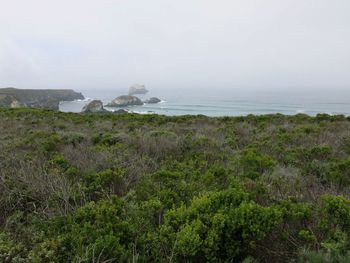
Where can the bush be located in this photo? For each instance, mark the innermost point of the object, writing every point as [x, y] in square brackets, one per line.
[105, 183]
[255, 164]
[11, 251]
[95, 230]
[218, 226]
[340, 173]
[190, 188]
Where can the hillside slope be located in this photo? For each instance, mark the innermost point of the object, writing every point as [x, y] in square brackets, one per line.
[148, 188]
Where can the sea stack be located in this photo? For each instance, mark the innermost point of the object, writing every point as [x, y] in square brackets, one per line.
[123, 101]
[153, 100]
[94, 106]
[137, 89]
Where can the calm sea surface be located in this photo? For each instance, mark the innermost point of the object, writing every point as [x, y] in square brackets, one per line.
[227, 102]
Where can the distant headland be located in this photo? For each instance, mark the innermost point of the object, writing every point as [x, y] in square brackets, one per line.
[37, 98]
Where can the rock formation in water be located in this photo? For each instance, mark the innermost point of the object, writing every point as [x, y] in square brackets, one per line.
[137, 89]
[123, 101]
[36, 98]
[94, 106]
[153, 100]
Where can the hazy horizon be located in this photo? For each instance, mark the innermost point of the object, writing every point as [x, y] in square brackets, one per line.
[240, 45]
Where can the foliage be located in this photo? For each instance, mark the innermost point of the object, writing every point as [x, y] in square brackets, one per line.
[218, 226]
[149, 188]
[96, 230]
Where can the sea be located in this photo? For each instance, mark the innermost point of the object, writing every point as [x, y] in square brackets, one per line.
[226, 102]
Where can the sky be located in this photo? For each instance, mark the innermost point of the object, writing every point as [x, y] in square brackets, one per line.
[235, 44]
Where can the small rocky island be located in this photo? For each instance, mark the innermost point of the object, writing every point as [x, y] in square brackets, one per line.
[124, 101]
[152, 100]
[121, 101]
[137, 89]
[37, 98]
[94, 106]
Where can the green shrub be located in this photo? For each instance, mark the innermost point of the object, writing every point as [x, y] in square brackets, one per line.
[190, 188]
[11, 251]
[73, 138]
[340, 172]
[336, 211]
[104, 183]
[217, 226]
[97, 230]
[255, 164]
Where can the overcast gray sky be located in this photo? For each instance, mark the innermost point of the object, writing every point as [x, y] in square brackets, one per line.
[175, 43]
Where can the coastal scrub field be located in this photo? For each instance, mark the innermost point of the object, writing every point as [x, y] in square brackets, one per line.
[150, 188]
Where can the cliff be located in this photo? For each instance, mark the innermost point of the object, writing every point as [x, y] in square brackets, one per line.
[36, 98]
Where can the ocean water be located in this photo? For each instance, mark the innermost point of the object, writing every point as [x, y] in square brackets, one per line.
[216, 102]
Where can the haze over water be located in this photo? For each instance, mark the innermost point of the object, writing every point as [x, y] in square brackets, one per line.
[228, 102]
[217, 49]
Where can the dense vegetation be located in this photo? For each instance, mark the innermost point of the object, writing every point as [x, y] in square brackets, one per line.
[147, 188]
